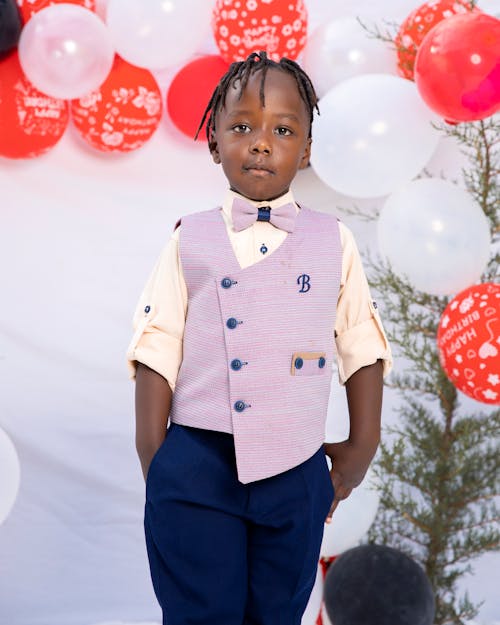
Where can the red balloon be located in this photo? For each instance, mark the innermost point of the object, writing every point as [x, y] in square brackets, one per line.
[31, 122]
[123, 113]
[190, 92]
[29, 7]
[469, 342]
[416, 26]
[241, 27]
[457, 70]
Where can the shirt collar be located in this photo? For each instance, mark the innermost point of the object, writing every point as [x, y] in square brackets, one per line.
[279, 201]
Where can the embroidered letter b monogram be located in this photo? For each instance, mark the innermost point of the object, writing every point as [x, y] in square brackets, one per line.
[304, 281]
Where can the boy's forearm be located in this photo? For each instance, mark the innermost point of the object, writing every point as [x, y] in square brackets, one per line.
[364, 399]
[351, 458]
[153, 398]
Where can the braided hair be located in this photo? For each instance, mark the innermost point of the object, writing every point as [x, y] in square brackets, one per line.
[241, 71]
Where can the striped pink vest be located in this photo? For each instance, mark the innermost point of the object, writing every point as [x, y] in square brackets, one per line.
[258, 343]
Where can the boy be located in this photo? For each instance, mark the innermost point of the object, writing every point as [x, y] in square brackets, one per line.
[239, 319]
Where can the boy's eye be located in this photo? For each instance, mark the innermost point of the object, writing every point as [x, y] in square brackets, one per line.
[284, 132]
[241, 128]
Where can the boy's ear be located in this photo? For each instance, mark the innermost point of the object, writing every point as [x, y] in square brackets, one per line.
[214, 151]
[304, 161]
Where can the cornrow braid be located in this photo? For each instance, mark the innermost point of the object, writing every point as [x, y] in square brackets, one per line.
[241, 71]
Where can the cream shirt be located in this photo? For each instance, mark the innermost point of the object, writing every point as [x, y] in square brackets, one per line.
[161, 311]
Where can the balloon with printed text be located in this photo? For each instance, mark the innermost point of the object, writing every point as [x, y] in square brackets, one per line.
[468, 341]
[240, 27]
[123, 113]
[415, 27]
[31, 123]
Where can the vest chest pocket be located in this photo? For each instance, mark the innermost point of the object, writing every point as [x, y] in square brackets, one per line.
[308, 363]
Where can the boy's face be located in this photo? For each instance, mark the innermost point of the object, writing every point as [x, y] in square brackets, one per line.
[261, 148]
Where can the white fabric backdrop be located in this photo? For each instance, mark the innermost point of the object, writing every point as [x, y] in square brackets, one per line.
[79, 234]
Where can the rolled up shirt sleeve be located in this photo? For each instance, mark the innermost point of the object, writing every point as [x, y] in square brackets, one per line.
[160, 316]
[360, 336]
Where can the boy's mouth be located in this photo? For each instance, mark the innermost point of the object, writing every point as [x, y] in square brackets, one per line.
[258, 170]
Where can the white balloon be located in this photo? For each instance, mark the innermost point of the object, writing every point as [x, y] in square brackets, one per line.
[434, 233]
[10, 475]
[321, 11]
[342, 49]
[158, 33]
[352, 518]
[66, 51]
[313, 607]
[374, 134]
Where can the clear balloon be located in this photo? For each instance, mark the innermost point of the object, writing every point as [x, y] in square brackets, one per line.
[156, 34]
[351, 519]
[342, 49]
[373, 135]
[65, 51]
[10, 474]
[435, 234]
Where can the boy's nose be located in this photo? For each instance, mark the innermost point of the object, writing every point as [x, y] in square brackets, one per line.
[260, 145]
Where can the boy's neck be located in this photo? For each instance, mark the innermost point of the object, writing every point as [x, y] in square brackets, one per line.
[287, 196]
[280, 201]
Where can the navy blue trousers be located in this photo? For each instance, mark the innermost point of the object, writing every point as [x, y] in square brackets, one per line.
[226, 553]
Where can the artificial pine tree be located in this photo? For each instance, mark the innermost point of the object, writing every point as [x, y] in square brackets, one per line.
[438, 469]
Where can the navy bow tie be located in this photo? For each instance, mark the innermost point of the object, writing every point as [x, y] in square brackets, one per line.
[245, 214]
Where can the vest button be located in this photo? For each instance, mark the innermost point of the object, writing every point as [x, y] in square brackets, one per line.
[236, 364]
[298, 363]
[239, 406]
[321, 362]
[226, 283]
[147, 309]
[232, 323]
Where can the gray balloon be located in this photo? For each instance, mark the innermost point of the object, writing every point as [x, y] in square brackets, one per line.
[10, 25]
[378, 585]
